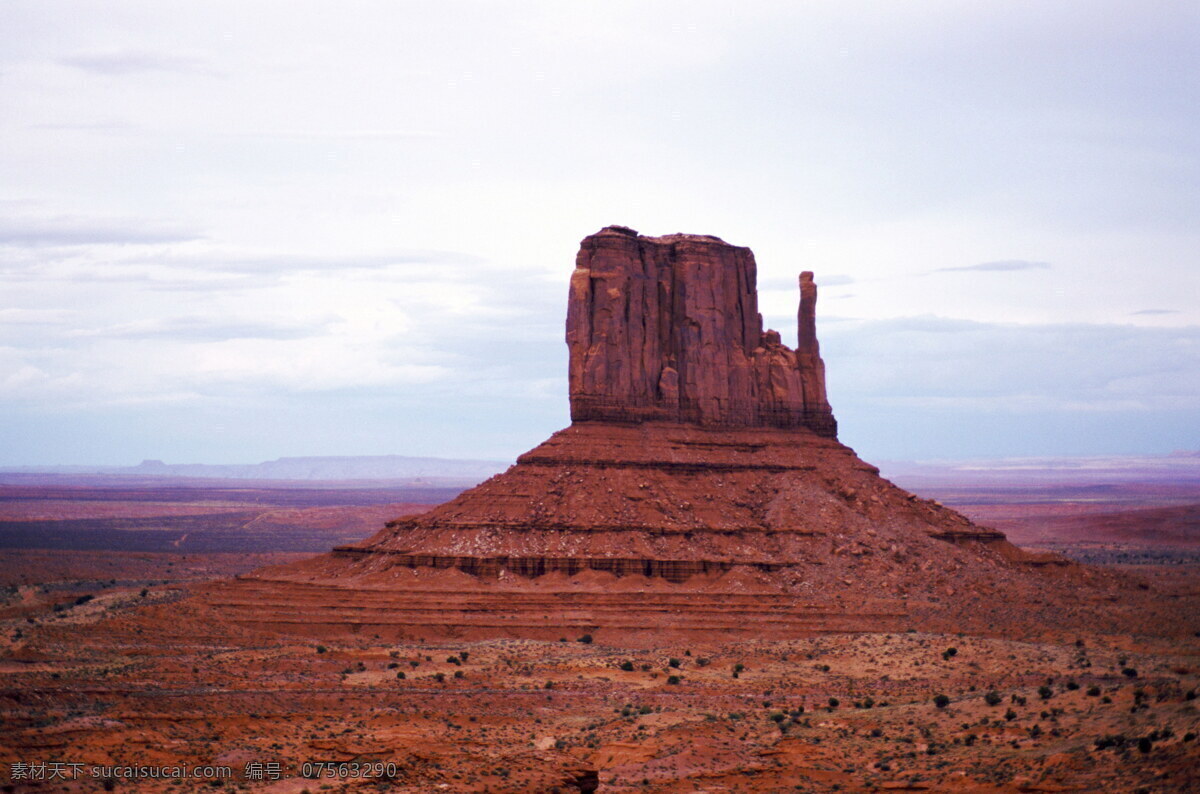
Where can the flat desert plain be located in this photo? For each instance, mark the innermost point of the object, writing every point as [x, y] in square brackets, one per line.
[116, 678]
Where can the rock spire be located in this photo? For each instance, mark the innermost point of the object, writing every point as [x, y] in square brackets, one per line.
[668, 329]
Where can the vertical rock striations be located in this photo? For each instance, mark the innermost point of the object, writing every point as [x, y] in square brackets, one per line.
[667, 328]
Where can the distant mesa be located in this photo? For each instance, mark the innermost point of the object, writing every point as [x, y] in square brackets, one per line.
[700, 492]
[392, 468]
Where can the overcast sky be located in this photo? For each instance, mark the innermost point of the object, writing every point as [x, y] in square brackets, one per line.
[232, 231]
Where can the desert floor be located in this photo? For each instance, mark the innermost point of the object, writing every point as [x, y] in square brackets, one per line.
[108, 663]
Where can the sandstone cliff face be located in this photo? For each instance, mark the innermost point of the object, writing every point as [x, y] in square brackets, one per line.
[667, 328]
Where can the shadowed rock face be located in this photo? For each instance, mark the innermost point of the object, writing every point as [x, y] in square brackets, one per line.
[668, 329]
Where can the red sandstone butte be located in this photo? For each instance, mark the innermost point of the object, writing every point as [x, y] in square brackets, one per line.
[699, 492]
[668, 328]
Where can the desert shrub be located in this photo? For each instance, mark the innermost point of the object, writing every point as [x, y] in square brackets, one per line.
[439, 677]
[1010, 715]
[1129, 672]
[992, 698]
[673, 662]
[321, 649]
[458, 673]
[400, 675]
[704, 661]
[941, 701]
[674, 679]
[1093, 691]
[1072, 685]
[834, 703]
[586, 639]
[1045, 692]
[627, 666]
[776, 716]
[949, 653]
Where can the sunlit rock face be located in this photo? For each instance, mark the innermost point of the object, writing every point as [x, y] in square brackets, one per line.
[668, 329]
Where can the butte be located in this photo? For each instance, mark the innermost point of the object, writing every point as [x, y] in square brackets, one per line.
[699, 493]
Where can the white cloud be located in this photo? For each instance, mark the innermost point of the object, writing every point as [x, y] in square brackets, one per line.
[936, 362]
[76, 231]
[17, 316]
[124, 62]
[1002, 265]
[207, 328]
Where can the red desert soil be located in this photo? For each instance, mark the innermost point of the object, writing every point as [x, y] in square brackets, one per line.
[116, 684]
[197, 517]
[1094, 523]
[693, 588]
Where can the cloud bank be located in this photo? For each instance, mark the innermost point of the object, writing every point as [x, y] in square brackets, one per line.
[235, 231]
[1003, 265]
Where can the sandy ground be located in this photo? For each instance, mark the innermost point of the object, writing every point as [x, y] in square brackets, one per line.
[108, 683]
